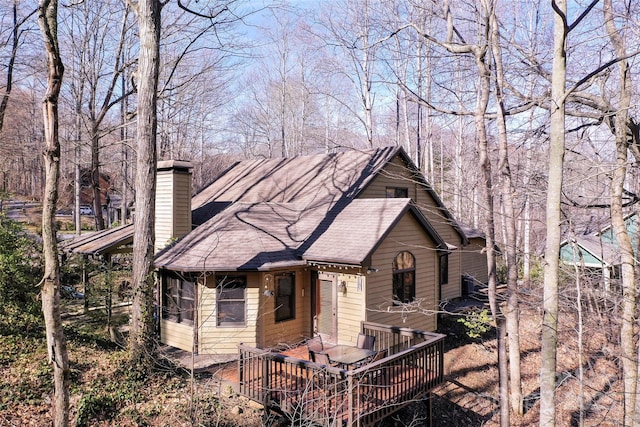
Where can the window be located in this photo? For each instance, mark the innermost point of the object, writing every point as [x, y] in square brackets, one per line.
[178, 299]
[397, 193]
[444, 268]
[231, 298]
[285, 296]
[404, 277]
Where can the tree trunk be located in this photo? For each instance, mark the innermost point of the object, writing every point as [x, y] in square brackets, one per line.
[548, 352]
[141, 342]
[629, 357]
[484, 163]
[95, 179]
[509, 224]
[15, 41]
[56, 343]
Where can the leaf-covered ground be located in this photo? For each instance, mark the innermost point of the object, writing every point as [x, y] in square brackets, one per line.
[104, 394]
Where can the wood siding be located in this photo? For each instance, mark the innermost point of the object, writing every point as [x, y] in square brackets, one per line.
[407, 235]
[396, 174]
[225, 339]
[173, 206]
[351, 310]
[179, 335]
[274, 334]
[475, 261]
[261, 329]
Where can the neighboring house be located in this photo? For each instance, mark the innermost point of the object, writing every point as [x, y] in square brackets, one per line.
[598, 253]
[276, 250]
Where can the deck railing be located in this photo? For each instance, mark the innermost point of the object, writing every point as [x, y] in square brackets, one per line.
[305, 391]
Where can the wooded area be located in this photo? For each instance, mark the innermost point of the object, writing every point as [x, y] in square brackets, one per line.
[522, 115]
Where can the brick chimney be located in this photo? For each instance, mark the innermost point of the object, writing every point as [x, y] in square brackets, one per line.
[173, 201]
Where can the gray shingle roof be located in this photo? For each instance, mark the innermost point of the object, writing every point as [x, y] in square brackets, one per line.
[264, 213]
[602, 250]
[260, 236]
[318, 178]
[99, 242]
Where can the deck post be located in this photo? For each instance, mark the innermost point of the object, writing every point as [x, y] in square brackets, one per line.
[429, 409]
[240, 367]
[350, 399]
[266, 379]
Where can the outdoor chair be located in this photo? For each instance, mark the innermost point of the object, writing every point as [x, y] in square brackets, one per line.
[314, 345]
[366, 341]
[319, 358]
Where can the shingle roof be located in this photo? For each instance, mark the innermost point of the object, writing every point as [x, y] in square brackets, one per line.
[270, 212]
[259, 236]
[604, 251]
[358, 229]
[325, 178]
[99, 242]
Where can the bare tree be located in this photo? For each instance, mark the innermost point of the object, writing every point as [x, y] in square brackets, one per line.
[141, 342]
[509, 220]
[619, 175]
[479, 51]
[97, 43]
[554, 193]
[15, 44]
[56, 343]
[353, 31]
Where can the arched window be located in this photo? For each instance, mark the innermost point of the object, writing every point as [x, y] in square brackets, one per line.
[404, 277]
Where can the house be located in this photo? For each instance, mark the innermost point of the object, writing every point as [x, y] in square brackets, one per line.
[275, 250]
[474, 260]
[598, 253]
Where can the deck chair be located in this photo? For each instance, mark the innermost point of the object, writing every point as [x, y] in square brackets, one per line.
[315, 345]
[319, 357]
[366, 341]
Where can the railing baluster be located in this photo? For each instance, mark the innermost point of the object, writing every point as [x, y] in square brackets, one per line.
[413, 366]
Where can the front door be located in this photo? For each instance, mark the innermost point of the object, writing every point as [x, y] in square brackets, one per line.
[325, 314]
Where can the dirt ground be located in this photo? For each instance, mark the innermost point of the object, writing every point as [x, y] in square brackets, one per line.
[106, 396]
[469, 396]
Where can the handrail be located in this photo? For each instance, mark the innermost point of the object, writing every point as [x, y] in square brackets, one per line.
[307, 391]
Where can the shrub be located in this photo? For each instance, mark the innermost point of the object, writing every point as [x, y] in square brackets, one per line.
[477, 323]
[20, 273]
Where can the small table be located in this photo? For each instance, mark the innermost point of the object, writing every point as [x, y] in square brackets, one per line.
[346, 355]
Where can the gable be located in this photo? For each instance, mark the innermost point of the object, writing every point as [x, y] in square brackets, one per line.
[360, 227]
[631, 222]
[594, 253]
[400, 172]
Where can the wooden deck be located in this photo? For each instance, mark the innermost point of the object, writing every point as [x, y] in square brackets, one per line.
[306, 392]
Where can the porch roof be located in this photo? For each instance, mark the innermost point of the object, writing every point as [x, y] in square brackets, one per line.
[262, 236]
[100, 242]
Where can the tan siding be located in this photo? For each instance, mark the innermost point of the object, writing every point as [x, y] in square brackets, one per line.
[453, 289]
[351, 308]
[261, 329]
[173, 206]
[164, 213]
[177, 335]
[224, 340]
[292, 330]
[182, 204]
[395, 174]
[475, 261]
[407, 235]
